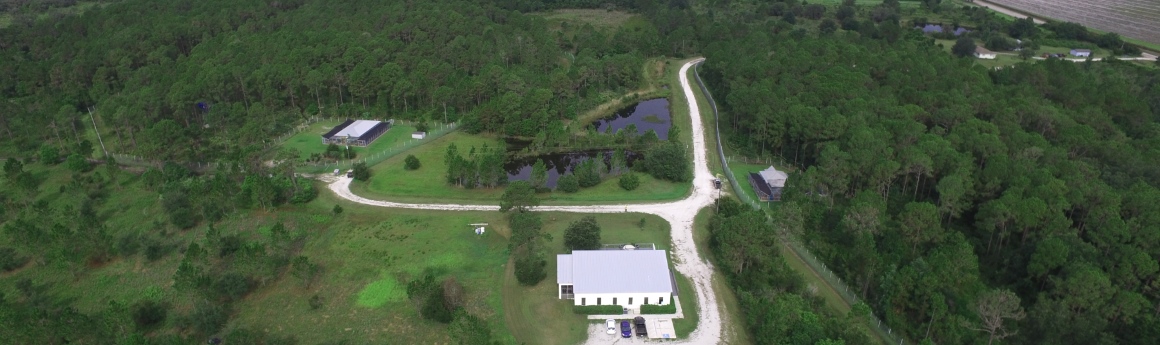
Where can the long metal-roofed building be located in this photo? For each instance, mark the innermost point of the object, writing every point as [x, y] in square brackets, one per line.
[628, 278]
[356, 132]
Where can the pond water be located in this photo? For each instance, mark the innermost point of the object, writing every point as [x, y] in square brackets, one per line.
[651, 114]
[559, 164]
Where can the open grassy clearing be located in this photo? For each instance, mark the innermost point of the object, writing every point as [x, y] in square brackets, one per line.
[309, 141]
[600, 19]
[535, 315]
[367, 253]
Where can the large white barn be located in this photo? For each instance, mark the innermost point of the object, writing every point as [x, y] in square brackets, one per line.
[629, 278]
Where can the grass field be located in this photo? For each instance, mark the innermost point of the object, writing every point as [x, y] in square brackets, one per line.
[309, 141]
[366, 253]
[600, 19]
[536, 316]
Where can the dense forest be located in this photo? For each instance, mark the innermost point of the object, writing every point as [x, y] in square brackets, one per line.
[210, 80]
[965, 205]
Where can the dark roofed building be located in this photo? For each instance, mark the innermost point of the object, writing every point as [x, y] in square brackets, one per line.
[768, 184]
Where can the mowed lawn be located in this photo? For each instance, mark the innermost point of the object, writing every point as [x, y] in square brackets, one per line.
[309, 141]
[536, 316]
[741, 172]
[390, 181]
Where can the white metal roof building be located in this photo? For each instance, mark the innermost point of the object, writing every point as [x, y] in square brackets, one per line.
[356, 132]
[629, 278]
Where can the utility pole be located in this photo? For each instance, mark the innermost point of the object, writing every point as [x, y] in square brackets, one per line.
[102, 141]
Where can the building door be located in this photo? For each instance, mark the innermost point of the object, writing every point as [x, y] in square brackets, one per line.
[630, 300]
[583, 301]
[646, 300]
[614, 300]
[662, 301]
[597, 300]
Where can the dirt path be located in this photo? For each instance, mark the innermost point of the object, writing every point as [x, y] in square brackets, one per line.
[1008, 11]
[679, 214]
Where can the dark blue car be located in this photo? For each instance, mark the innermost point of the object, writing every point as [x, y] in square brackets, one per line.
[625, 329]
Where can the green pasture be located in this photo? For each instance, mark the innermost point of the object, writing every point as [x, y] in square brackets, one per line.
[600, 19]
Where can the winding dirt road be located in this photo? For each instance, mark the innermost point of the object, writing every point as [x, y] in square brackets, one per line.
[679, 214]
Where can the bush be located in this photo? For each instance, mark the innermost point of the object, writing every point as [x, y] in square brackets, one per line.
[316, 302]
[529, 265]
[568, 183]
[583, 234]
[337, 209]
[598, 309]
[10, 260]
[411, 163]
[670, 308]
[629, 181]
[149, 314]
[77, 163]
[305, 195]
[208, 318]
[232, 286]
[362, 172]
[49, 155]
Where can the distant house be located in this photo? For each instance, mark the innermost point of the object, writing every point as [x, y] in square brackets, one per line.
[768, 184]
[1081, 52]
[418, 135]
[628, 278]
[357, 133]
[983, 53]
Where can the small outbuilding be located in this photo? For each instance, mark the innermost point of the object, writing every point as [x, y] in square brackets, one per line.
[419, 135]
[768, 183]
[628, 278]
[1081, 52]
[983, 53]
[356, 132]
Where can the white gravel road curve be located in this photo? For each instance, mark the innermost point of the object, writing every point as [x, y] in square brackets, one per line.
[679, 214]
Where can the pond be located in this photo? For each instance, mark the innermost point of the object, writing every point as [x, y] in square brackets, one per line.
[651, 114]
[559, 164]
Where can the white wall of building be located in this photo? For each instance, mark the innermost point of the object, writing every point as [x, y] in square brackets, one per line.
[623, 299]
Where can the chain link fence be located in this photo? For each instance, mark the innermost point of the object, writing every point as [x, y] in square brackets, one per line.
[794, 244]
[435, 132]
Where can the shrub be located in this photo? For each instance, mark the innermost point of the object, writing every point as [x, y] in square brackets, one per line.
[10, 260]
[149, 314]
[208, 318]
[305, 195]
[49, 155]
[316, 302]
[598, 309]
[362, 172]
[658, 309]
[411, 163]
[583, 234]
[232, 286]
[568, 183]
[77, 163]
[629, 181]
[529, 265]
[337, 209]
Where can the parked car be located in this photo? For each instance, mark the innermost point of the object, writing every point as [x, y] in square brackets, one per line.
[625, 329]
[611, 326]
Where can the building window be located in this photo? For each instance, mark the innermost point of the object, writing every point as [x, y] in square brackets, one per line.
[646, 300]
[597, 300]
[583, 301]
[614, 300]
[662, 301]
[630, 300]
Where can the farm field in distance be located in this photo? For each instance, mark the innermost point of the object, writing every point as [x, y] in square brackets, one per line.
[1139, 19]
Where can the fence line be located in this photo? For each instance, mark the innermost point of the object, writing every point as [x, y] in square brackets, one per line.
[375, 158]
[794, 244]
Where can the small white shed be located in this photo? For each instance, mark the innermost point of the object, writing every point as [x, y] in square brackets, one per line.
[419, 135]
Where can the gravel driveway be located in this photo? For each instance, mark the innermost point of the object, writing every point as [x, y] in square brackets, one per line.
[679, 214]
